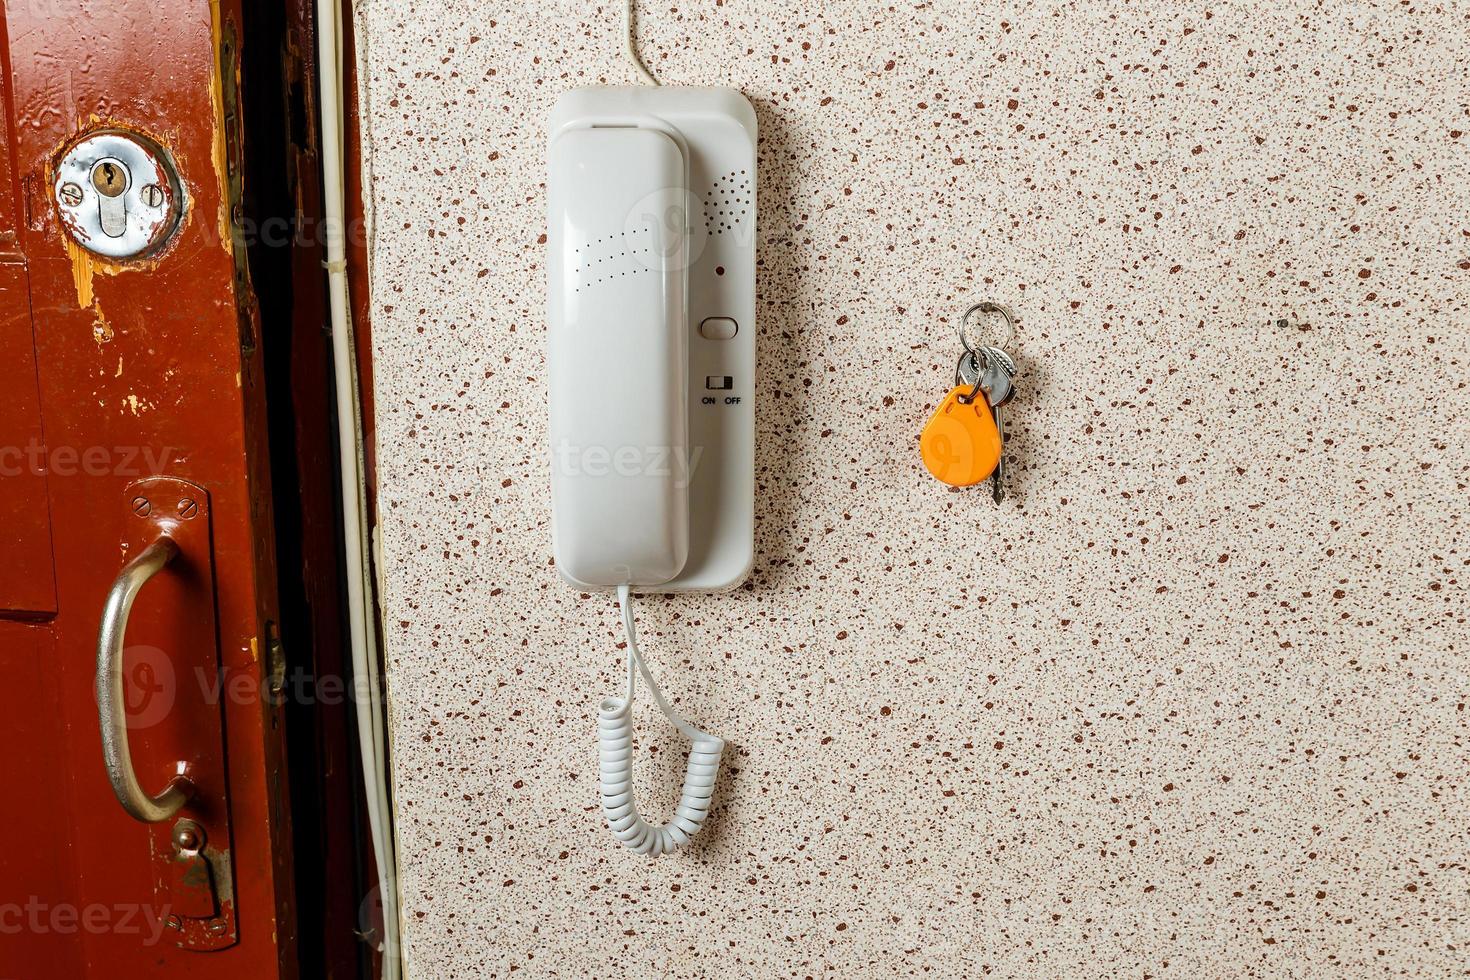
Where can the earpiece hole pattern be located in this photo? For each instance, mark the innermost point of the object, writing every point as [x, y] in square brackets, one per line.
[728, 202]
[612, 257]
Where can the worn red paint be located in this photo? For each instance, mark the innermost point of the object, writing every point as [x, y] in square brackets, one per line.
[128, 357]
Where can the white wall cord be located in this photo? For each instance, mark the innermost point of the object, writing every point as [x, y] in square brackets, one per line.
[371, 730]
[615, 752]
[630, 45]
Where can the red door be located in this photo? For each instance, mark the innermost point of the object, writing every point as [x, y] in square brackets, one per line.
[132, 456]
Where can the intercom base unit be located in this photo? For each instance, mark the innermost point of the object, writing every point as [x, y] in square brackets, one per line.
[651, 195]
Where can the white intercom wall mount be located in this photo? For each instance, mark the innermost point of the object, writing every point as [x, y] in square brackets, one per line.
[651, 362]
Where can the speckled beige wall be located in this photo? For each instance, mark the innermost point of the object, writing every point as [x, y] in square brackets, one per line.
[1191, 703]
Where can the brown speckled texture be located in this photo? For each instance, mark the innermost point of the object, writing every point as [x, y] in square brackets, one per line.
[1192, 703]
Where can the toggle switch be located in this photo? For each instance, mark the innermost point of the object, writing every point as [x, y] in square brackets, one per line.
[718, 328]
[719, 383]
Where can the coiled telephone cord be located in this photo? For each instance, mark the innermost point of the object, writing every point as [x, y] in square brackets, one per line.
[615, 751]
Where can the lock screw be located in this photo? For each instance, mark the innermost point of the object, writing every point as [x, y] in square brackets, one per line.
[188, 508]
[152, 196]
[188, 836]
[71, 194]
[141, 506]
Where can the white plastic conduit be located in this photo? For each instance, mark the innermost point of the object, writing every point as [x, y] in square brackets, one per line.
[372, 737]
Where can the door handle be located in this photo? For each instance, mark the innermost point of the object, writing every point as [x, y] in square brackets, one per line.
[166, 527]
[111, 706]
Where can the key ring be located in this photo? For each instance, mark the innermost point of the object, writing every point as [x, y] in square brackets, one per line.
[988, 306]
[981, 361]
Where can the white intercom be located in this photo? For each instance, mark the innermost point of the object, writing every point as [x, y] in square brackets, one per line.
[651, 194]
[651, 361]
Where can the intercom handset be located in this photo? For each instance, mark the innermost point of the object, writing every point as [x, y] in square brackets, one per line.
[651, 360]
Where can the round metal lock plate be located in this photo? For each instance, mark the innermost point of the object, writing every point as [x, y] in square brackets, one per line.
[118, 195]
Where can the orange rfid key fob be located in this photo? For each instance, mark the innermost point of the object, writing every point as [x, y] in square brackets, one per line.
[961, 444]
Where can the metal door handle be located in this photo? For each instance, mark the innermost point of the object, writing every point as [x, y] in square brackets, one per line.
[111, 706]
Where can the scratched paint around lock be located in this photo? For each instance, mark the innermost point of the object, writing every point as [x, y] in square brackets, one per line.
[1191, 702]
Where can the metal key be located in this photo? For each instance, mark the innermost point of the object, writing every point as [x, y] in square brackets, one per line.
[998, 478]
[969, 370]
[996, 372]
[996, 375]
[991, 368]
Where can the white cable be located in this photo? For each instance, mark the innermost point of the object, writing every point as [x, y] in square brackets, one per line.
[630, 46]
[615, 752]
[372, 739]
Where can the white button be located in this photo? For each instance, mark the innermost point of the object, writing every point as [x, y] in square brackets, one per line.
[718, 328]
